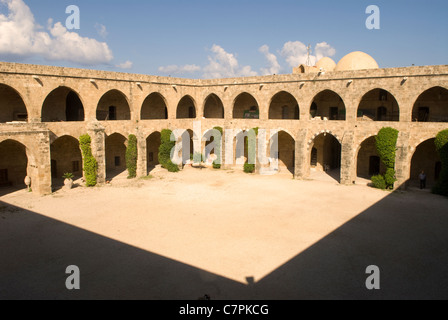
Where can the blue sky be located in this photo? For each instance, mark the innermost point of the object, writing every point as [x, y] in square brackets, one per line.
[209, 38]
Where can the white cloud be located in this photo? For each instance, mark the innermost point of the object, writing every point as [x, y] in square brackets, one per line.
[295, 53]
[21, 36]
[323, 49]
[175, 69]
[125, 65]
[274, 66]
[225, 65]
[101, 30]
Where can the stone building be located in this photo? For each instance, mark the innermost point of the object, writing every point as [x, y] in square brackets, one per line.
[327, 117]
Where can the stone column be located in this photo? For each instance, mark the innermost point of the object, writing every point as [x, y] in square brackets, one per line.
[301, 163]
[348, 162]
[402, 162]
[97, 133]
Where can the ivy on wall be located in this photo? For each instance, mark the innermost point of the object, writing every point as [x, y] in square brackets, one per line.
[165, 148]
[442, 148]
[131, 156]
[90, 165]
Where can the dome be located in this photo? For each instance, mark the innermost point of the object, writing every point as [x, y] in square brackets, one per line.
[326, 63]
[356, 61]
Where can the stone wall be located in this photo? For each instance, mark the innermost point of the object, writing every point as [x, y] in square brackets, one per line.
[25, 88]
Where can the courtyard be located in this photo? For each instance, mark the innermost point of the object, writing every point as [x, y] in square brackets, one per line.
[225, 234]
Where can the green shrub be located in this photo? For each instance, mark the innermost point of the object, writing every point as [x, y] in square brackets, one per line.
[389, 177]
[442, 148]
[90, 165]
[249, 168]
[165, 148]
[379, 182]
[131, 156]
[386, 145]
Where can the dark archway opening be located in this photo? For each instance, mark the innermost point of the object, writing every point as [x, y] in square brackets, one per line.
[284, 107]
[113, 106]
[431, 106]
[328, 105]
[12, 107]
[154, 108]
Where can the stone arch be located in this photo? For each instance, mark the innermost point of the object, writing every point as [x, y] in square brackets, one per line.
[286, 151]
[378, 105]
[66, 157]
[14, 164]
[115, 155]
[186, 109]
[368, 162]
[154, 107]
[113, 105]
[153, 142]
[213, 107]
[62, 104]
[328, 149]
[245, 106]
[328, 105]
[284, 106]
[431, 106]
[12, 105]
[425, 158]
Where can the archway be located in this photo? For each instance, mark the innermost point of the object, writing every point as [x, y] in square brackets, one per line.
[368, 161]
[152, 149]
[378, 105]
[427, 159]
[213, 108]
[62, 104]
[286, 152]
[65, 158]
[325, 157]
[431, 106]
[328, 105]
[246, 107]
[154, 108]
[12, 107]
[112, 106]
[186, 108]
[284, 106]
[115, 155]
[13, 164]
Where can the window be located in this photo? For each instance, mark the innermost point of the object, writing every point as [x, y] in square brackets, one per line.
[3, 176]
[117, 161]
[314, 157]
[151, 157]
[423, 114]
[374, 165]
[383, 95]
[112, 113]
[334, 113]
[75, 166]
[382, 114]
[191, 113]
[285, 112]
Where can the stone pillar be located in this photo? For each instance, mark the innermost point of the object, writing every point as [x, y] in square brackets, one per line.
[402, 161]
[97, 133]
[142, 165]
[302, 159]
[348, 162]
[41, 168]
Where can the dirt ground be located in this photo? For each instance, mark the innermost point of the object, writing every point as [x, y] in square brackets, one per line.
[225, 234]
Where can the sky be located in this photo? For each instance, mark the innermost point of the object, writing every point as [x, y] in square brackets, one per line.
[219, 39]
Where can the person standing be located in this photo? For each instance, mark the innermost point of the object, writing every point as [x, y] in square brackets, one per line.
[422, 178]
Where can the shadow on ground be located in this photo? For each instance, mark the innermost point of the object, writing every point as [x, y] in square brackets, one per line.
[405, 237]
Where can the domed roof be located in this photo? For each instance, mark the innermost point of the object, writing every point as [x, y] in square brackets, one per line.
[356, 61]
[326, 63]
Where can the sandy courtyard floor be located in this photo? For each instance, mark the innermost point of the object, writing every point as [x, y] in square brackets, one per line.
[225, 234]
